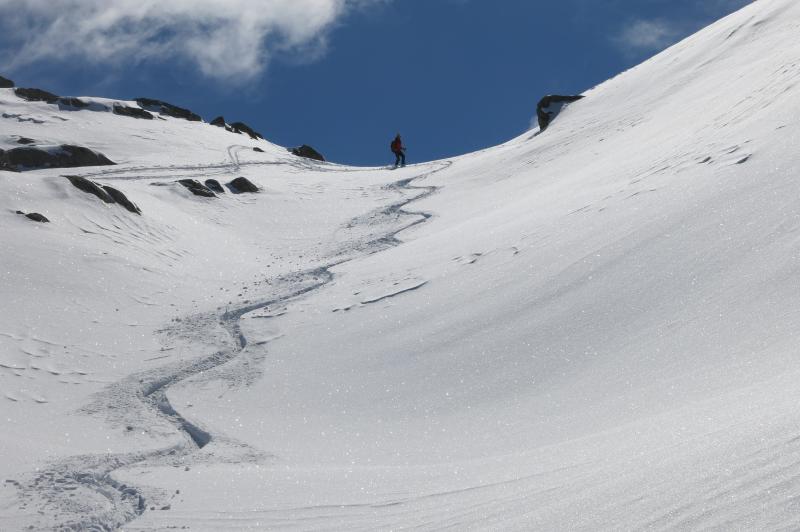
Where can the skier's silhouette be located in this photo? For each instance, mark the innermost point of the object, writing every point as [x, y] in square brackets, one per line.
[399, 151]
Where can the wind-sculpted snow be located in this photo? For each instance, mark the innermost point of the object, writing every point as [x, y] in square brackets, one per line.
[140, 403]
[594, 329]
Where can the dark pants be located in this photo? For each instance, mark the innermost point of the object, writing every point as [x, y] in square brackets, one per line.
[400, 159]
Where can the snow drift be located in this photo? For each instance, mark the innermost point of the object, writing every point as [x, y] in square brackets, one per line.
[592, 328]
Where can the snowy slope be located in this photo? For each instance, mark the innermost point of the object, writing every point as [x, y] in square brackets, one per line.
[594, 328]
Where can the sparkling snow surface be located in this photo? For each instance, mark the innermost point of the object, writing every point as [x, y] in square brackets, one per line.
[593, 328]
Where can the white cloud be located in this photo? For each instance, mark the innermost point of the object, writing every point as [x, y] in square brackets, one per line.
[648, 35]
[222, 38]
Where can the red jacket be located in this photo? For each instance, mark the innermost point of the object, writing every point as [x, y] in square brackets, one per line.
[397, 145]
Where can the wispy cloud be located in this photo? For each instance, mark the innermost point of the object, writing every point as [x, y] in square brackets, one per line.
[222, 38]
[648, 35]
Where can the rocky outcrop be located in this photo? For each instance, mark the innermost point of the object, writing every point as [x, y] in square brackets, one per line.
[36, 95]
[214, 185]
[122, 199]
[259, 150]
[6, 83]
[241, 127]
[39, 95]
[90, 187]
[308, 152]
[241, 185]
[549, 107]
[35, 216]
[132, 112]
[168, 109]
[77, 103]
[218, 121]
[197, 188]
[25, 140]
[64, 156]
[105, 193]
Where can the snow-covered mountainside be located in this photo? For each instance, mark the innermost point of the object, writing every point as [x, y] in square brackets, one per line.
[591, 328]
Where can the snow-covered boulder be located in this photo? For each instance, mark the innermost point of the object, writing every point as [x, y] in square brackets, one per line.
[241, 127]
[90, 187]
[132, 112]
[63, 156]
[35, 216]
[549, 107]
[197, 188]
[119, 197]
[241, 185]
[75, 103]
[215, 185]
[164, 108]
[36, 95]
[308, 152]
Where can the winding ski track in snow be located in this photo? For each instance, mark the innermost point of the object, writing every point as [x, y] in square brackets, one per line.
[92, 475]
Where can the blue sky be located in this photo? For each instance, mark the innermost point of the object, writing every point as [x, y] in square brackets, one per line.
[452, 76]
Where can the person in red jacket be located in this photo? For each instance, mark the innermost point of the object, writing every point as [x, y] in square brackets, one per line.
[399, 151]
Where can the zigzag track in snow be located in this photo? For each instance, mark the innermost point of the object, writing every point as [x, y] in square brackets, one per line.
[90, 476]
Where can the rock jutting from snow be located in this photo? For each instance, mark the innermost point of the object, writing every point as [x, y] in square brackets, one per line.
[218, 121]
[36, 95]
[241, 127]
[104, 192]
[214, 185]
[119, 197]
[308, 152]
[132, 112]
[64, 156]
[35, 216]
[259, 150]
[168, 109]
[241, 185]
[25, 140]
[549, 107]
[77, 103]
[6, 83]
[90, 187]
[197, 188]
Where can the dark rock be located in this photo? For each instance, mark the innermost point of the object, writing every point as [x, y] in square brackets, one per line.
[105, 193]
[241, 127]
[132, 112]
[122, 199]
[214, 185]
[36, 95]
[218, 121]
[65, 156]
[241, 185]
[549, 107]
[197, 188]
[73, 102]
[81, 183]
[25, 140]
[35, 216]
[6, 83]
[308, 152]
[168, 109]
[259, 150]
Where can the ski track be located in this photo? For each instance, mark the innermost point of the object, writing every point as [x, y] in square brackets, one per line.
[145, 393]
[135, 173]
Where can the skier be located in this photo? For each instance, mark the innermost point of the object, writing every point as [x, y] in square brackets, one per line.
[399, 151]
